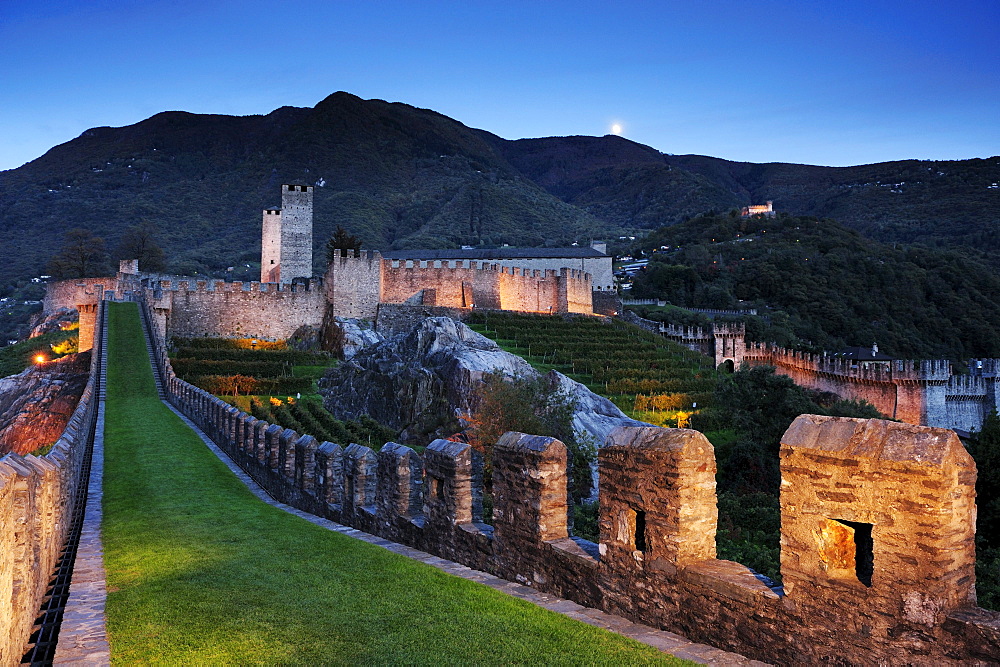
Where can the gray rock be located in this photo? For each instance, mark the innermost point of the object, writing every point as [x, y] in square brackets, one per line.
[357, 336]
[419, 382]
[36, 405]
[595, 416]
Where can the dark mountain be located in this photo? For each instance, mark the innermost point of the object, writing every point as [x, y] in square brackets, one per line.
[395, 175]
[619, 181]
[402, 177]
[824, 286]
[936, 203]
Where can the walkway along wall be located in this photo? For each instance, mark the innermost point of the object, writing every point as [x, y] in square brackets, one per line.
[877, 528]
[37, 496]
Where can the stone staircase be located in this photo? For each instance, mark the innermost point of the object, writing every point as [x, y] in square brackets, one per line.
[147, 335]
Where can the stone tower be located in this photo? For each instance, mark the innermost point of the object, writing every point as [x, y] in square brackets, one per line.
[286, 238]
[730, 344]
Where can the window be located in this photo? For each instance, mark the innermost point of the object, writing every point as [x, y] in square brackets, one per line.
[848, 549]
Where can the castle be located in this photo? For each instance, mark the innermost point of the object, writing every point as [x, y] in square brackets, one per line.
[926, 392]
[766, 209]
[287, 238]
[366, 285]
[877, 518]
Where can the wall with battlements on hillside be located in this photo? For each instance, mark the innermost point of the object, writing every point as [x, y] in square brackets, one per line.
[917, 392]
[356, 285]
[878, 527]
[270, 311]
[38, 495]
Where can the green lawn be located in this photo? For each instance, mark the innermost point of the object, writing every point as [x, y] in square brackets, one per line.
[201, 572]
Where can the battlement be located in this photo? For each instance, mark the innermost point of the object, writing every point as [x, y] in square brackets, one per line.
[729, 329]
[221, 286]
[679, 332]
[924, 370]
[472, 284]
[296, 188]
[877, 527]
[984, 367]
[897, 370]
[968, 386]
[37, 499]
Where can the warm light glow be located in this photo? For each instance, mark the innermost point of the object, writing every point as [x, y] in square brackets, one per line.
[616, 128]
[40, 359]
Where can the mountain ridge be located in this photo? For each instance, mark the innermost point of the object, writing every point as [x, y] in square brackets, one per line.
[403, 177]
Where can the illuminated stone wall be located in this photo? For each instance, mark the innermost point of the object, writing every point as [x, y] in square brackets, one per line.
[36, 503]
[466, 284]
[909, 488]
[917, 392]
[217, 309]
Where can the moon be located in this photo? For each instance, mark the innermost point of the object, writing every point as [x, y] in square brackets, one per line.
[616, 128]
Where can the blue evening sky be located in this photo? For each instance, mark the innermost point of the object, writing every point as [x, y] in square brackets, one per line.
[833, 83]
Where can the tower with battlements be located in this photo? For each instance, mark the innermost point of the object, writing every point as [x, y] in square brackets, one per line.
[286, 237]
[730, 344]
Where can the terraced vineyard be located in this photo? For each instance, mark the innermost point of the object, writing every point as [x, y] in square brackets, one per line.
[649, 377]
[273, 383]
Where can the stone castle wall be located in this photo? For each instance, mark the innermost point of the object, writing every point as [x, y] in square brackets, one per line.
[910, 489]
[70, 293]
[37, 497]
[353, 284]
[356, 285]
[916, 392]
[467, 284]
[218, 309]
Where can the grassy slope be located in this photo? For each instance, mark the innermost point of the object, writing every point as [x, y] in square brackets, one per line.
[200, 571]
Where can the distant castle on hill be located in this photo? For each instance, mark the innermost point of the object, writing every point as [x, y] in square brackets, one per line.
[766, 209]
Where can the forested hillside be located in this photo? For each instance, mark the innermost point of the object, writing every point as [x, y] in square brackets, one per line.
[401, 177]
[938, 203]
[824, 286]
[392, 174]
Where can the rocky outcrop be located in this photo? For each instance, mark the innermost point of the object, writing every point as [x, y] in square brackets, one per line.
[356, 335]
[594, 415]
[36, 405]
[419, 382]
[58, 320]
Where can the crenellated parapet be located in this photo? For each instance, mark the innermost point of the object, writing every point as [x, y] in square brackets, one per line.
[877, 527]
[358, 283]
[38, 496]
[923, 391]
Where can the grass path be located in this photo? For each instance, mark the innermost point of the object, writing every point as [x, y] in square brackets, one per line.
[201, 572]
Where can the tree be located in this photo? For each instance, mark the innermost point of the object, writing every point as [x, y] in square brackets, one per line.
[985, 450]
[81, 256]
[341, 240]
[137, 243]
[535, 406]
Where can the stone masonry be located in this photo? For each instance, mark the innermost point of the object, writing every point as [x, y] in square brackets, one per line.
[36, 502]
[877, 528]
[286, 238]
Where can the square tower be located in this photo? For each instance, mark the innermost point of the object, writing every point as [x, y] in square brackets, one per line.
[286, 238]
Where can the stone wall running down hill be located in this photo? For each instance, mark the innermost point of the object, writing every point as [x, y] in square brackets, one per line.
[37, 498]
[878, 528]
